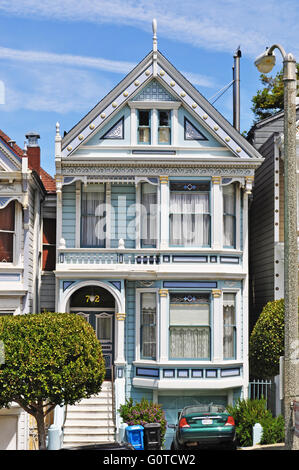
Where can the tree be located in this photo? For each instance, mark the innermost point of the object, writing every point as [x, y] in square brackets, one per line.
[266, 343]
[50, 359]
[269, 100]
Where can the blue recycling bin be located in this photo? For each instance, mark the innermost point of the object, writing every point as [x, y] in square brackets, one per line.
[134, 436]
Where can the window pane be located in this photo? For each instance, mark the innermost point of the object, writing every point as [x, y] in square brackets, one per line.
[144, 118]
[189, 342]
[93, 217]
[196, 314]
[229, 328]
[189, 218]
[164, 118]
[229, 218]
[6, 247]
[49, 231]
[144, 135]
[164, 135]
[49, 254]
[148, 217]
[7, 217]
[148, 325]
[104, 328]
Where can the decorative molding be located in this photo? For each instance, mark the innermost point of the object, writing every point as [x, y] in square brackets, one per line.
[216, 179]
[163, 292]
[152, 171]
[216, 293]
[164, 179]
[120, 316]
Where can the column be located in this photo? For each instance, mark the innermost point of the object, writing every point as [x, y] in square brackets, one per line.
[120, 379]
[245, 299]
[217, 326]
[78, 214]
[120, 338]
[164, 307]
[217, 213]
[164, 211]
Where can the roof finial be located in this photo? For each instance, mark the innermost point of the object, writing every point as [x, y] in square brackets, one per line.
[155, 43]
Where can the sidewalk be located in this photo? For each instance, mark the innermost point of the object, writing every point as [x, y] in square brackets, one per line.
[279, 446]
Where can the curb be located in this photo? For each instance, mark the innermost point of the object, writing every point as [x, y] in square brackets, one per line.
[279, 446]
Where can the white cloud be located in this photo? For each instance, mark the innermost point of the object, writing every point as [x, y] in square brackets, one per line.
[219, 25]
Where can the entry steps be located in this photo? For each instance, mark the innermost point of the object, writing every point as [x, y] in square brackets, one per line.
[92, 420]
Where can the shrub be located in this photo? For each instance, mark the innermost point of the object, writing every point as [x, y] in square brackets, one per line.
[247, 413]
[143, 412]
[266, 343]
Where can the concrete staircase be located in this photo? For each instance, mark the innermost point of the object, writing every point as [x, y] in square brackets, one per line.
[92, 420]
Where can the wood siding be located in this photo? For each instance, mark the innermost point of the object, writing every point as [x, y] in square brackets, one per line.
[47, 292]
[261, 234]
[69, 215]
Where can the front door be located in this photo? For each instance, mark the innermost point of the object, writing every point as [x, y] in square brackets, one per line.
[103, 324]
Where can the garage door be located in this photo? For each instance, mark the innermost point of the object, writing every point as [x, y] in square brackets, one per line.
[8, 432]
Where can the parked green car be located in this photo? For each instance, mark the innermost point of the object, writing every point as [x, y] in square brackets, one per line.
[202, 426]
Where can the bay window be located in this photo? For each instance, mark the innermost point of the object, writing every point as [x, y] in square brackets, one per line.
[148, 324]
[229, 216]
[7, 232]
[189, 326]
[229, 326]
[189, 211]
[93, 216]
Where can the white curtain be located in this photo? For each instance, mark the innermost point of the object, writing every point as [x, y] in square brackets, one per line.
[189, 219]
[229, 212]
[229, 326]
[189, 342]
[148, 325]
[149, 215]
[93, 217]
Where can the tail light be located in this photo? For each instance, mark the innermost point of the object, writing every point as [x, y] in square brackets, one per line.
[230, 421]
[183, 423]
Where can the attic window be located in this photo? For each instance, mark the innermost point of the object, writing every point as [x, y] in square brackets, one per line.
[191, 132]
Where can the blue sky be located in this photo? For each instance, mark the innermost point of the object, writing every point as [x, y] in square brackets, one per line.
[58, 59]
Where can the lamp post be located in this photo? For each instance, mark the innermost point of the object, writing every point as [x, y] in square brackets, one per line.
[265, 63]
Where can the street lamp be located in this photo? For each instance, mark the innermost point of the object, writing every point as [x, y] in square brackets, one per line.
[265, 63]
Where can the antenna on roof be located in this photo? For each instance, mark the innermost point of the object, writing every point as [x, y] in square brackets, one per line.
[155, 47]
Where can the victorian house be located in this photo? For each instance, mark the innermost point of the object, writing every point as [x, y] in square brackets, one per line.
[152, 246]
[27, 252]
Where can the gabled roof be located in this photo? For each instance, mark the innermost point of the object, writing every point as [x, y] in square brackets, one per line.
[182, 90]
[47, 180]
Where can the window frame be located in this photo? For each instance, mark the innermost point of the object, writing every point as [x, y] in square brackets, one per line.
[209, 327]
[138, 345]
[227, 214]
[149, 127]
[82, 245]
[14, 233]
[208, 192]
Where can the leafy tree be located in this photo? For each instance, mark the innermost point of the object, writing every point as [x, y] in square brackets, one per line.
[50, 359]
[266, 343]
[269, 100]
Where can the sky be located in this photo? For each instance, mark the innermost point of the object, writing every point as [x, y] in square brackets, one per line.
[58, 59]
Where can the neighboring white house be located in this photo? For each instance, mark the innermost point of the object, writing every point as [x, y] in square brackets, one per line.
[152, 244]
[25, 191]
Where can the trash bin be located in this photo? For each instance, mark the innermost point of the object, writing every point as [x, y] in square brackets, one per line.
[152, 436]
[134, 436]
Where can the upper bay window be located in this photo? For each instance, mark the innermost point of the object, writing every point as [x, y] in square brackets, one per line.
[7, 232]
[189, 212]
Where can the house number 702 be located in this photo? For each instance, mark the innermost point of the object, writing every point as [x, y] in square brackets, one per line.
[92, 298]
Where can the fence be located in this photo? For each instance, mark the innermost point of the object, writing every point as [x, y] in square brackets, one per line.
[266, 389]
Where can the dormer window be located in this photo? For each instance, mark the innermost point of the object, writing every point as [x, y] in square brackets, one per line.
[144, 127]
[164, 133]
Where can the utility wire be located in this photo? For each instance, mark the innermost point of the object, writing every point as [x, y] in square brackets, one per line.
[223, 90]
